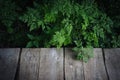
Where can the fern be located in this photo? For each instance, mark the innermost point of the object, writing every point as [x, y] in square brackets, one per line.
[84, 53]
[62, 37]
[33, 20]
[65, 22]
[34, 41]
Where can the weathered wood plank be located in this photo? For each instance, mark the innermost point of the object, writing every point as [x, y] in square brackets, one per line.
[8, 63]
[112, 61]
[73, 68]
[94, 69]
[51, 64]
[29, 64]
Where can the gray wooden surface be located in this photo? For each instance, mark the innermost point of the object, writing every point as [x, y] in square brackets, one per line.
[112, 60]
[8, 63]
[51, 64]
[73, 68]
[94, 69]
[58, 64]
[29, 64]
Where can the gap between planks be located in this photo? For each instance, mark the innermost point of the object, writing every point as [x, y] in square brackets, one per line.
[94, 69]
[105, 63]
[49, 65]
[8, 63]
[18, 66]
[90, 66]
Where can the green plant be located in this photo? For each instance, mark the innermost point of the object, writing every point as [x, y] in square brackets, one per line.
[34, 41]
[84, 53]
[8, 14]
[59, 23]
[33, 18]
[66, 22]
[62, 37]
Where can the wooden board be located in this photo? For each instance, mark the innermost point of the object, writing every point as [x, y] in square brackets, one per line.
[29, 64]
[73, 68]
[8, 63]
[112, 60]
[94, 69]
[51, 64]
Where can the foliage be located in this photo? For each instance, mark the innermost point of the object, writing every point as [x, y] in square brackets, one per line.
[80, 24]
[62, 37]
[34, 41]
[8, 14]
[84, 53]
[32, 17]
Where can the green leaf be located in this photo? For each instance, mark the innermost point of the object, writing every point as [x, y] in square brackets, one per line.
[31, 37]
[29, 44]
[36, 43]
[33, 26]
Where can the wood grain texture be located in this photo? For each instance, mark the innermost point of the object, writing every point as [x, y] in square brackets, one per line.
[8, 63]
[112, 61]
[73, 68]
[51, 64]
[94, 69]
[29, 64]
[58, 64]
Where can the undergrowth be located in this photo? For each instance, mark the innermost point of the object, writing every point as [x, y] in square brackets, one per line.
[60, 23]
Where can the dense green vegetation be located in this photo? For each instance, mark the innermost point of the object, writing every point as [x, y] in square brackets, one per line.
[60, 23]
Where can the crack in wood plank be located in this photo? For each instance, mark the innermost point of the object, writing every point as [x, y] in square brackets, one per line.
[105, 63]
[18, 66]
[54, 64]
